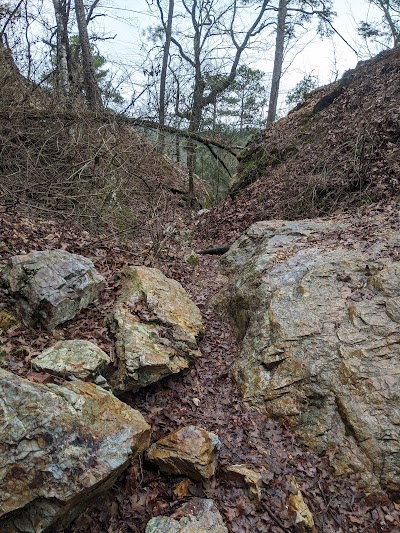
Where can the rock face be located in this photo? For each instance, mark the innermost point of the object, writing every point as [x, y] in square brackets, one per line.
[60, 447]
[198, 516]
[190, 451]
[320, 326]
[52, 286]
[75, 359]
[155, 326]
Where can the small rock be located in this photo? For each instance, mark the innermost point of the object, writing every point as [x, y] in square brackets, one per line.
[190, 451]
[182, 488]
[7, 321]
[252, 479]
[197, 516]
[299, 511]
[76, 359]
[52, 286]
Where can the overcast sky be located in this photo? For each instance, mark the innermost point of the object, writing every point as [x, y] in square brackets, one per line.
[325, 59]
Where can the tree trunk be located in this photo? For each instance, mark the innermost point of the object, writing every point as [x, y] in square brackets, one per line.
[163, 79]
[93, 97]
[62, 81]
[393, 29]
[278, 61]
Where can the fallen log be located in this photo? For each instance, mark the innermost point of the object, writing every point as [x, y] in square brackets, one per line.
[216, 250]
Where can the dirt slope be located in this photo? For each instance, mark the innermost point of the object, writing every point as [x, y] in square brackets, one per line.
[338, 151]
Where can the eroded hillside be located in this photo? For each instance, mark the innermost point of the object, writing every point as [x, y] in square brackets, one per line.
[337, 151]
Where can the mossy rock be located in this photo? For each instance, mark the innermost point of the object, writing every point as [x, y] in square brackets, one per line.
[7, 321]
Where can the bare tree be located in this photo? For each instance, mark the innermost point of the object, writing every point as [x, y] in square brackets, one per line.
[278, 61]
[61, 11]
[164, 67]
[93, 96]
[290, 14]
[388, 27]
[210, 21]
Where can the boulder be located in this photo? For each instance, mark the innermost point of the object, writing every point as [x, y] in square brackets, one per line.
[74, 359]
[60, 448]
[320, 330]
[197, 516]
[156, 327]
[190, 451]
[52, 286]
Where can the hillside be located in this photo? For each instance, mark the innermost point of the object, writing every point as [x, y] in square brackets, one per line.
[337, 151]
[58, 158]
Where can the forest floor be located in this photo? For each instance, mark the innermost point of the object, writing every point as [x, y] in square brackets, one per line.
[247, 437]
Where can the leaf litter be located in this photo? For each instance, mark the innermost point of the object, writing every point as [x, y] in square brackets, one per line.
[204, 395]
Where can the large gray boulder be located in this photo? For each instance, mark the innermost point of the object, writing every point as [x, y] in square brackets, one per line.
[52, 286]
[320, 330]
[156, 327]
[60, 447]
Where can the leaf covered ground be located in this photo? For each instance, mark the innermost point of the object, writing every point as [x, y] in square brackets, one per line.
[204, 395]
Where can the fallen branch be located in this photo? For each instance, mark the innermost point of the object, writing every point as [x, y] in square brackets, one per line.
[120, 119]
[233, 150]
[216, 250]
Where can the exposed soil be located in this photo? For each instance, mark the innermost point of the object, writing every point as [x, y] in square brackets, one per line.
[247, 437]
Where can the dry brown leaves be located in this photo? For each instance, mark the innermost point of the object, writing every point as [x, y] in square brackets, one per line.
[247, 436]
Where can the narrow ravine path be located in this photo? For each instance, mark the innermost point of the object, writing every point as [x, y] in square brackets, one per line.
[207, 396]
[204, 395]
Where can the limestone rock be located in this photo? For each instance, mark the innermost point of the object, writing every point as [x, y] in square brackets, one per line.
[76, 359]
[52, 286]
[60, 447]
[156, 327]
[320, 331]
[298, 510]
[190, 451]
[251, 477]
[198, 516]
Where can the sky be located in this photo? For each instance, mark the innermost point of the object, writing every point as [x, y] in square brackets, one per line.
[326, 59]
[125, 22]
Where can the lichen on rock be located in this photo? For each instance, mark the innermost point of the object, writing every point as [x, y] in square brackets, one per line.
[51, 286]
[156, 327]
[60, 448]
[320, 334]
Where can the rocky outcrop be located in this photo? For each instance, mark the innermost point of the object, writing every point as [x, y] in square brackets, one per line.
[320, 330]
[190, 451]
[60, 447]
[156, 327]
[196, 516]
[76, 359]
[52, 286]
